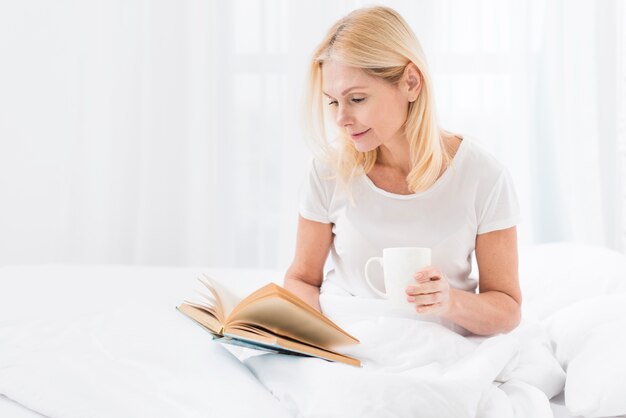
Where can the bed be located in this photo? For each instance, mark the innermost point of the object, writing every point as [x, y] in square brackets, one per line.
[101, 341]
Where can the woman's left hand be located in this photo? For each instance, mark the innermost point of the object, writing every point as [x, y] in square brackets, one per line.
[430, 293]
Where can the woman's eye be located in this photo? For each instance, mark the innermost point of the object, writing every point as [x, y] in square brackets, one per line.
[358, 100]
[334, 102]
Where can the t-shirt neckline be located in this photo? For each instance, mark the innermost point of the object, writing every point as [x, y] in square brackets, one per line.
[443, 178]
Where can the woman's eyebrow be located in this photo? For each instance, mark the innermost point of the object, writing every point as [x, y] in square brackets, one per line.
[346, 91]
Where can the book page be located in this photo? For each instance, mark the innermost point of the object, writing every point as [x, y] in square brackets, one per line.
[202, 317]
[274, 309]
[209, 302]
[226, 299]
[272, 290]
[285, 346]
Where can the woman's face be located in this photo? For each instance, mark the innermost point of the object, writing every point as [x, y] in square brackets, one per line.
[371, 110]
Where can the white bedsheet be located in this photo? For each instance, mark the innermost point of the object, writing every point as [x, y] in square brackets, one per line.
[139, 361]
[11, 409]
[78, 341]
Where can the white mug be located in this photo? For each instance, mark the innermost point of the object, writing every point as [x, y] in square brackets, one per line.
[399, 265]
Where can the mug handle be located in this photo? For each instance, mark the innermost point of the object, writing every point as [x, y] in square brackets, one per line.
[367, 277]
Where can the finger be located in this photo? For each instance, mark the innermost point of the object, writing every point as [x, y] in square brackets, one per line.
[423, 288]
[427, 274]
[426, 300]
[425, 309]
[421, 277]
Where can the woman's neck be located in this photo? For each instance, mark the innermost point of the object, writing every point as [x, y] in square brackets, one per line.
[395, 156]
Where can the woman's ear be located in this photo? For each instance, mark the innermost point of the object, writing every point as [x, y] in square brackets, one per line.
[412, 81]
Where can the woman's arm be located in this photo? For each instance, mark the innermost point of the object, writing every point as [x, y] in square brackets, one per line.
[497, 307]
[304, 276]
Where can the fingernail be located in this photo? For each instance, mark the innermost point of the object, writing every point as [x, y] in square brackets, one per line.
[411, 299]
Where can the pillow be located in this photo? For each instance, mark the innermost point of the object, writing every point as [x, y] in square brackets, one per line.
[556, 275]
[589, 339]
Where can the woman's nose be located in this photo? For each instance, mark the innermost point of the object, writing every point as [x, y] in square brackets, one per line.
[343, 117]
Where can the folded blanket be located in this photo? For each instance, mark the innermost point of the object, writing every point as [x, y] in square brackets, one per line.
[416, 368]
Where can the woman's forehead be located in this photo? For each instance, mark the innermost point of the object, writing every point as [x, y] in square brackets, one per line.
[338, 79]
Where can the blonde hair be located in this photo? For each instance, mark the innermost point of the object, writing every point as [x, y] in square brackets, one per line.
[378, 41]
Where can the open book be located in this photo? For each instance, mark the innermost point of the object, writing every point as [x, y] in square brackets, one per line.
[270, 319]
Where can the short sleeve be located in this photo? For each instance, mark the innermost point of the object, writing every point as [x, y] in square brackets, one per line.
[314, 196]
[501, 207]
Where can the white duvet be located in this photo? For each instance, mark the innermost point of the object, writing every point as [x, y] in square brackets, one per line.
[150, 361]
[413, 368]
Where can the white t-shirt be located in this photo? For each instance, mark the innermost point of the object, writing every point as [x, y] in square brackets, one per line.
[475, 195]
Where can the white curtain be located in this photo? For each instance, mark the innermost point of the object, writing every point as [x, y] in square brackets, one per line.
[539, 83]
[575, 160]
[167, 132]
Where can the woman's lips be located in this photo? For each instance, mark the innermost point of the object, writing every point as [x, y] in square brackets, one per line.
[359, 135]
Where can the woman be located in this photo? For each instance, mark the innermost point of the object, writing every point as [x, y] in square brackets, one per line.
[394, 178]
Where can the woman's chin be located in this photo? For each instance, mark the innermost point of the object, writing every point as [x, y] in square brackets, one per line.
[364, 146]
